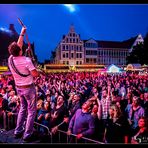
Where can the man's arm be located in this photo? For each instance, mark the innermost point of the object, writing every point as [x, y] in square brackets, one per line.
[34, 73]
[21, 37]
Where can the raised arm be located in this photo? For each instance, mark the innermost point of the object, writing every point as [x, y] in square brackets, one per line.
[21, 37]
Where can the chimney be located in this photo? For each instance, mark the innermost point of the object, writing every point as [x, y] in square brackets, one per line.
[11, 27]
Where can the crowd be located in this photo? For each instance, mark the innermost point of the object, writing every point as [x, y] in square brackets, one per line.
[111, 108]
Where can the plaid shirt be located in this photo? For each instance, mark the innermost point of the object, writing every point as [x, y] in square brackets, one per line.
[105, 105]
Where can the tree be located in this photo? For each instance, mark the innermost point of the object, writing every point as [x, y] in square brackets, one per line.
[146, 49]
[139, 53]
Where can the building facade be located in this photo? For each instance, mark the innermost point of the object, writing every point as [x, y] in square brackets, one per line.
[70, 50]
[74, 51]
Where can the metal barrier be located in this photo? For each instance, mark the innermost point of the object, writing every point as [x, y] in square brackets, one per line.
[49, 134]
[86, 140]
[9, 122]
[6, 125]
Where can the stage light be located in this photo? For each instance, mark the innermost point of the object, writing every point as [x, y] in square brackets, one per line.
[70, 7]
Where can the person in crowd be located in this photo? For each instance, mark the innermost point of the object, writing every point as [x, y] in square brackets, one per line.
[94, 113]
[103, 110]
[82, 123]
[3, 108]
[145, 103]
[134, 112]
[13, 113]
[141, 135]
[117, 126]
[74, 105]
[43, 116]
[59, 117]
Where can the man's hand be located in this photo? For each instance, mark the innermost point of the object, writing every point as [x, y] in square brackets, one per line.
[130, 122]
[79, 136]
[23, 31]
[40, 116]
[69, 132]
[54, 129]
[9, 114]
[47, 115]
[66, 119]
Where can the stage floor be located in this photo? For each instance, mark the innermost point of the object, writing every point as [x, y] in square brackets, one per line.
[7, 137]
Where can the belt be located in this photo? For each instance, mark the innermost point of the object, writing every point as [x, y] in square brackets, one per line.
[25, 86]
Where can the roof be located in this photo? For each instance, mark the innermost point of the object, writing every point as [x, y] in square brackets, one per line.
[128, 43]
[110, 44]
[115, 44]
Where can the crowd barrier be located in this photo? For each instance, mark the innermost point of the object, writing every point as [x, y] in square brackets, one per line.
[61, 136]
[75, 140]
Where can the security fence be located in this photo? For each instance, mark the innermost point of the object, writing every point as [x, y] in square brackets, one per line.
[60, 136]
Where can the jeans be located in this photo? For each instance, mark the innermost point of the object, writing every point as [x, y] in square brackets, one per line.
[27, 111]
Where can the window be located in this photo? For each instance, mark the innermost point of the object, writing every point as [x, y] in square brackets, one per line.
[77, 62]
[98, 52]
[66, 55]
[94, 60]
[77, 55]
[67, 47]
[86, 52]
[63, 47]
[71, 55]
[87, 60]
[112, 53]
[67, 62]
[63, 55]
[80, 55]
[80, 62]
[107, 53]
[95, 52]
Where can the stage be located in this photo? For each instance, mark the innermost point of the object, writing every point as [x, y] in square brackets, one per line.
[7, 137]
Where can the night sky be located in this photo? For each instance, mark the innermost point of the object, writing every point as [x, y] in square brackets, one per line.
[47, 23]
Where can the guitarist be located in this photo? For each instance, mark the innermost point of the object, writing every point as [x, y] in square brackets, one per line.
[23, 71]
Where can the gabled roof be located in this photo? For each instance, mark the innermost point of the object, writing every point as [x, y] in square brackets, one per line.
[89, 40]
[128, 43]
